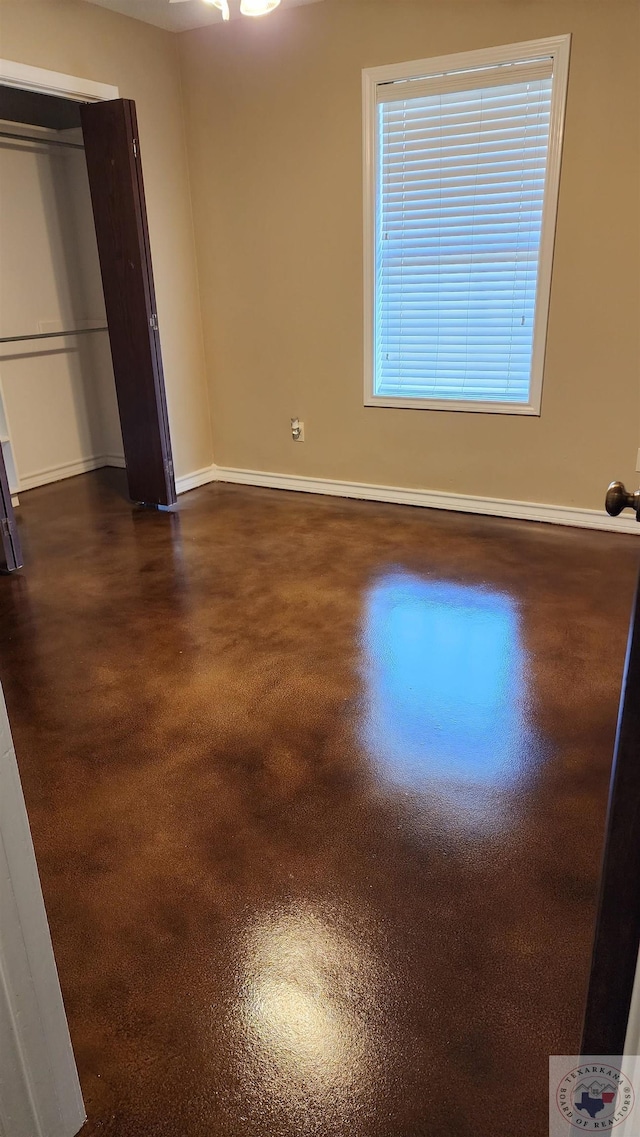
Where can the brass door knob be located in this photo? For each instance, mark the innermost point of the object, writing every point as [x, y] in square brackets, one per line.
[619, 498]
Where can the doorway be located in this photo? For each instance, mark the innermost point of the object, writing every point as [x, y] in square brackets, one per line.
[81, 379]
[58, 404]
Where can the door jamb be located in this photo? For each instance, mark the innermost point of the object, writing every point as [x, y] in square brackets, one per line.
[40, 1094]
[27, 78]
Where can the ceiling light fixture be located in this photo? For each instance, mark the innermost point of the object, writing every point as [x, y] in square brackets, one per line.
[223, 5]
[247, 7]
[257, 7]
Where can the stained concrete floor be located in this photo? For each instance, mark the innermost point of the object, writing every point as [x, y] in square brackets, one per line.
[317, 790]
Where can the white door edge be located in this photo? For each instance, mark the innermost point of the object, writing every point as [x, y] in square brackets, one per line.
[40, 1092]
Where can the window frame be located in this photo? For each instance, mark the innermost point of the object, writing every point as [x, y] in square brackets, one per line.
[558, 49]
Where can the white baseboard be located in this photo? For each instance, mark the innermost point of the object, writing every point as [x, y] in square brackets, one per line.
[68, 470]
[363, 491]
[426, 499]
[197, 478]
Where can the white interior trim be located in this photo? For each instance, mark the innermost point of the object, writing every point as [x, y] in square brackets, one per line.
[461, 60]
[631, 1061]
[555, 48]
[40, 1093]
[632, 1043]
[13, 74]
[426, 499]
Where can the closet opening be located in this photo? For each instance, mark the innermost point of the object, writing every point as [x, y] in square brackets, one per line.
[81, 379]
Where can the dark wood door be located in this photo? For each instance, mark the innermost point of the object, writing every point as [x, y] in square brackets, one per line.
[10, 551]
[617, 937]
[112, 149]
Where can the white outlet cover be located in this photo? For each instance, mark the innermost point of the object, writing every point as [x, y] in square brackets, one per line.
[638, 463]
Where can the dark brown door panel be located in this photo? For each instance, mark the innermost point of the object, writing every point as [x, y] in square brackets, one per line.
[117, 193]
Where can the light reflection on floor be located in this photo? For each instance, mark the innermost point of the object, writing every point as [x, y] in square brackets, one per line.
[446, 686]
[308, 1013]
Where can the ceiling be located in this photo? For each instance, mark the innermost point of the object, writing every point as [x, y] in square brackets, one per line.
[178, 17]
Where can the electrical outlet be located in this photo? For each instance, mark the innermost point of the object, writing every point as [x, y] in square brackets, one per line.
[297, 430]
[638, 463]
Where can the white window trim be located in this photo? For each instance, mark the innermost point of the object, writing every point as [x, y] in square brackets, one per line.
[558, 49]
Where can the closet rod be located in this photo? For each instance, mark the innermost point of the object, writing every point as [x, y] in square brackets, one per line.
[41, 141]
[52, 335]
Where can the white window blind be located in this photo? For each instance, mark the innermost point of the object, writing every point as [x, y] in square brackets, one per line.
[461, 175]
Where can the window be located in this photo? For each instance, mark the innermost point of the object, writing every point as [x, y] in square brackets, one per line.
[462, 166]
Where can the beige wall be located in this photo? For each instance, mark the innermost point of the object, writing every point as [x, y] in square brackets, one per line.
[88, 41]
[274, 127]
[58, 396]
